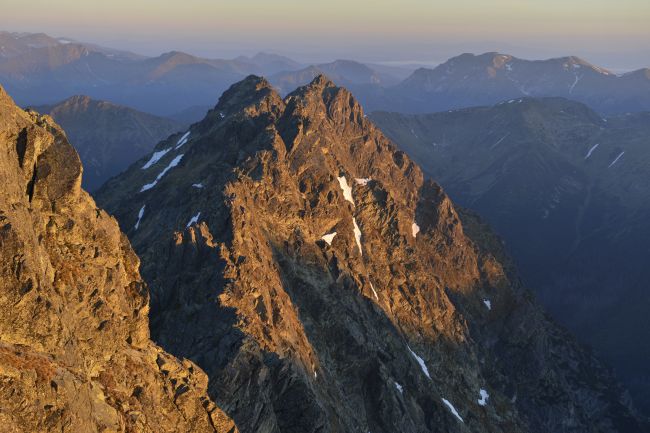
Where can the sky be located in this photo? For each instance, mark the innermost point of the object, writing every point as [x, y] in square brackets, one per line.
[612, 34]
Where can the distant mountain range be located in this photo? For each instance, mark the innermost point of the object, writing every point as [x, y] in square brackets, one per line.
[568, 190]
[38, 69]
[108, 137]
[470, 80]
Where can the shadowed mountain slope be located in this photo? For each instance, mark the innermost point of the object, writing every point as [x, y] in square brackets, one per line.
[568, 192]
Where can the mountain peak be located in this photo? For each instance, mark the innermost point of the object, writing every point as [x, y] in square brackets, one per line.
[483, 57]
[263, 56]
[339, 104]
[175, 54]
[78, 100]
[5, 99]
[318, 84]
[333, 262]
[251, 91]
[321, 81]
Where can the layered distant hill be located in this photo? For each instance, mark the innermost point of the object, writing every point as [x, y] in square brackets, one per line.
[568, 190]
[108, 137]
[38, 69]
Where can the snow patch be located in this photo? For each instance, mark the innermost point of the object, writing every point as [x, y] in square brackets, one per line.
[182, 140]
[363, 182]
[140, 214]
[171, 165]
[484, 397]
[592, 150]
[616, 160]
[499, 141]
[155, 158]
[420, 361]
[452, 409]
[399, 387]
[599, 70]
[347, 190]
[329, 238]
[197, 185]
[357, 234]
[415, 229]
[374, 292]
[574, 84]
[488, 303]
[193, 220]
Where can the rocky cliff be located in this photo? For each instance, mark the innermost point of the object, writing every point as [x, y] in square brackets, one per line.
[75, 354]
[304, 263]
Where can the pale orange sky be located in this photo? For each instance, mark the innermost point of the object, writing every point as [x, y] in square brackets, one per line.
[613, 33]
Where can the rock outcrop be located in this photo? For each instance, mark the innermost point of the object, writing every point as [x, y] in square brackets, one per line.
[75, 354]
[304, 263]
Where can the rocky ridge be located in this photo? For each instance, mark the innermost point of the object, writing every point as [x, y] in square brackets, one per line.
[305, 264]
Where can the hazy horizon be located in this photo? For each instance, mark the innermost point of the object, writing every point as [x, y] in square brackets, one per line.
[610, 35]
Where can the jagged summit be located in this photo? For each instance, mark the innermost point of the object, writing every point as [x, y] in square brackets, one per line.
[249, 91]
[303, 262]
[319, 82]
[322, 91]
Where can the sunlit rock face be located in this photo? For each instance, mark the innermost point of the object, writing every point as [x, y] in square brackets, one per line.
[409, 319]
[75, 354]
